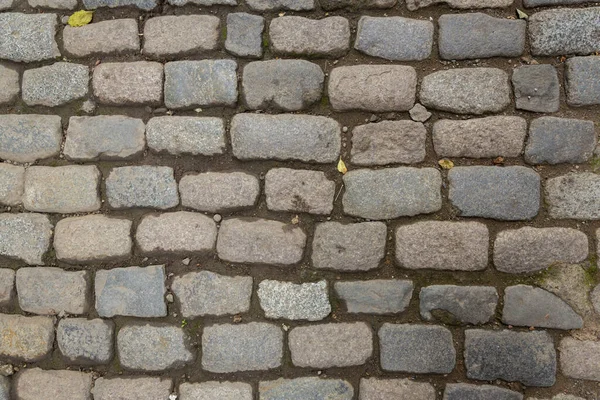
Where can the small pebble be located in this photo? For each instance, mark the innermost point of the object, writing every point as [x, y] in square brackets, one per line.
[185, 261]
[217, 217]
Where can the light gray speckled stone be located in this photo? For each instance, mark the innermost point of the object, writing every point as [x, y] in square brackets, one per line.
[105, 37]
[575, 196]
[28, 37]
[244, 34]
[142, 186]
[377, 296]
[128, 83]
[35, 383]
[388, 142]
[305, 388]
[84, 341]
[331, 345]
[27, 138]
[12, 184]
[274, 5]
[305, 301]
[132, 388]
[392, 192]
[464, 391]
[583, 87]
[9, 85]
[579, 359]
[25, 237]
[55, 85]
[419, 113]
[389, 389]
[6, 4]
[145, 5]
[219, 191]
[7, 287]
[26, 338]
[413, 5]
[298, 190]
[104, 137]
[356, 4]
[4, 388]
[215, 391]
[255, 346]
[172, 35]
[536, 88]
[186, 135]
[458, 304]
[206, 293]
[203, 2]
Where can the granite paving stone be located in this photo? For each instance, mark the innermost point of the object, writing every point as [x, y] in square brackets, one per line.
[36, 383]
[419, 113]
[173, 35]
[219, 191]
[132, 388]
[145, 5]
[128, 83]
[142, 186]
[55, 85]
[536, 88]
[186, 135]
[274, 5]
[579, 358]
[119, 36]
[244, 34]
[465, 391]
[28, 37]
[215, 390]
[287, 300]
[6, 4]
[413, 5]
[458, 304]
[388, 142]
[30, 137]
[12, 184]
[84, 341]
[25, 237]
[376, 296]
[388, 389]
[7, 286]
[23, 338]
[9, 85]
[356, 4]
[574, 196]
[582, 85]
[4, 388]
[297, 190]
[305, 388]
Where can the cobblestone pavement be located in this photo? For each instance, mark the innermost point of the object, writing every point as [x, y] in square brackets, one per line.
[175, 222]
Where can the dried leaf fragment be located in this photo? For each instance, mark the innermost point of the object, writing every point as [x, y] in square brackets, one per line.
[341, 166]
[521, 14]
[80, 18]
[445, 163]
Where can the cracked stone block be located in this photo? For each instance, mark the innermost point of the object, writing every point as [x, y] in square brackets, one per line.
[28, 37]
[55, 85]
[536, 88]
[298, 190]
[9, 85]
[458, 304]
[25, 237]
[244, 34]
[574, 196]
[27, 138]
[128, 83]
[389, 389]
[219, 191]
[583, 86]
[305, 388]
[215, 390]
[464, 391]
[145, 5]
[579, 358]
[7, 287]
[28, 339]
[186, 135]
[143, 186]
[275, 5]
[173, 35]
[132, 388]
[117, 36]
[377, 296]
[305, 301]
[84, 341]
[12, 184]
[36, 383]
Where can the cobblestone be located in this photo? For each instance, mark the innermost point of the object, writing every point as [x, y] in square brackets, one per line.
[582, 84]
[12, 184]
[305, 388]
[36, 383]
[575, 196]
[118, 36]
[25, 237]
[306, 301]
[353, 4]
[142, 186]
[413, 5]
[299, 190]
[7, 287]
[459, 304]
[388, 142]
[464, 391]
[55, 85]
[244, 33]
[274, 5]
[186, 135]
[136, 388]
[129, 83]
[579, 358]
[386, 389]
[27, 138]
[28, 37]
[202, 2]
[172, 35]
[26, 338]
[9, 85]
[4, 388]
[146, 5]
[215, 390]
[536, 88]
[219, 191]
[85, 341]
[377, 296]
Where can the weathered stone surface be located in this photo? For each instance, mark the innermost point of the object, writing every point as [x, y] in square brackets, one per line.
[327, 37]
[416, 348]
[274, 5]
[6, 4]
[104, 137]
[142, 186]
[536, 88]
[131, 291]
[68, 189]
[92, 238]
[487, 137]
[413, 5]
[530, 306]
[580, 359]
[496, 37]
[570, 282]
[305, 301]
[356, 4]
[462, 246]
[583, 87]
[244, 34]
[28, 37]
[564, 31]
[9, 85]
[260, 241]
[348, 247]
[555, 140]
[464, 391]
[299, 190]
[136, 388]
[12, 184]
[392, 192]
[388, 389]
[177, 232]
[377, 88]
[419, 113]
[35, 383]
[331, 345]
[290, 85]
[305, 388]
[105, 37]
[594, 295]
[458, 304]
[530, 249]
[206, 293]
[205, 83]
[560, 396]
[25, 236]
[141, 4]
[219, 191]
[575, 196]
[394, 38]
[129, 83]
[466, 90]
[85, 341]
[526, 357]
[248, 347]
[171, 35]
[186, 135]
[27, 138]
[377, 296]
[215, 390]
[153, 348]
[7, 287]
[4, 388]
[388, 142]
[26, 338]
[51, 291]
[55, 85]
[509, 193]
[203, 2]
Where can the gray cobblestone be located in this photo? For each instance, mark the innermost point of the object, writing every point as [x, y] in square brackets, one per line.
[25, 236]
[84, 341]
[55, 85]
[377, 296]
[4, 388]
[388, 389]
[35, 383]
[579, 358]
[356, 4]
[299, 190]
[538, 3]
[206, 293]
[145, 5]
[307, 301]
[464, 391]
[28, 37]
[142, 186]
[215, 391]
[305, 388]
[203, 2]
[26, 338]
[12, 184]
[6, 4]
[575, 196]
[105, 37]
[583, 87]
[419, 113]
[274, 5]
[9, 85]
[27, 138]
[458, 304]
[7, 287]
[413, 5]
[376, 88]
[244, 34]
[132, 388]
[388, 142]
[536, 88]
[67, 189]
[331, 345]
[128, 83]
[172, 35]
[183, 135]
[219, 191]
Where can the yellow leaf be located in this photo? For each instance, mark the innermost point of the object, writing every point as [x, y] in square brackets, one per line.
[80, 18]
[521, 14]
[342, 166]
[446, 164]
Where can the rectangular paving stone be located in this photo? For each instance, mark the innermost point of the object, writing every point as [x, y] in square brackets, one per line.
[132, 388]
[27, 138]
[508, 193]
[172, 35]
[305, 388]
[392, 192]
[462, 391]
[348, 247]
[388, 142]
[219, 191]
[331, 345]
[288, 300]
[292, 35]
[7, 286]
[6, 4]
[420, 349]
[53, 291]
[296, 190]
[536, 88]
[375, 88]
[84, 341]
[131, 291]
[36, 383]
[55, 85]
[564, 31]
[26, 338]
[583, 86]
[67, 189]
[117, 36]
[145, 5]
[9, 84]
[458, 304]
[12, 184]
[256, 346]
[487, 137]
[274, 5]
[574, 196]
[260, 241]
[28, 37]
[579, 358]
[244, 33]
[526, 357]
[203, 2]
[205, 83]
[128, 83]
[158, 347]
[25, 237]
[538, 3]
[206, 293]
[388, 389]
[53, 4]
[413, 5]
[186, 135]
[214, 390]
[376, 296]
[143, 186]
[104, 137]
